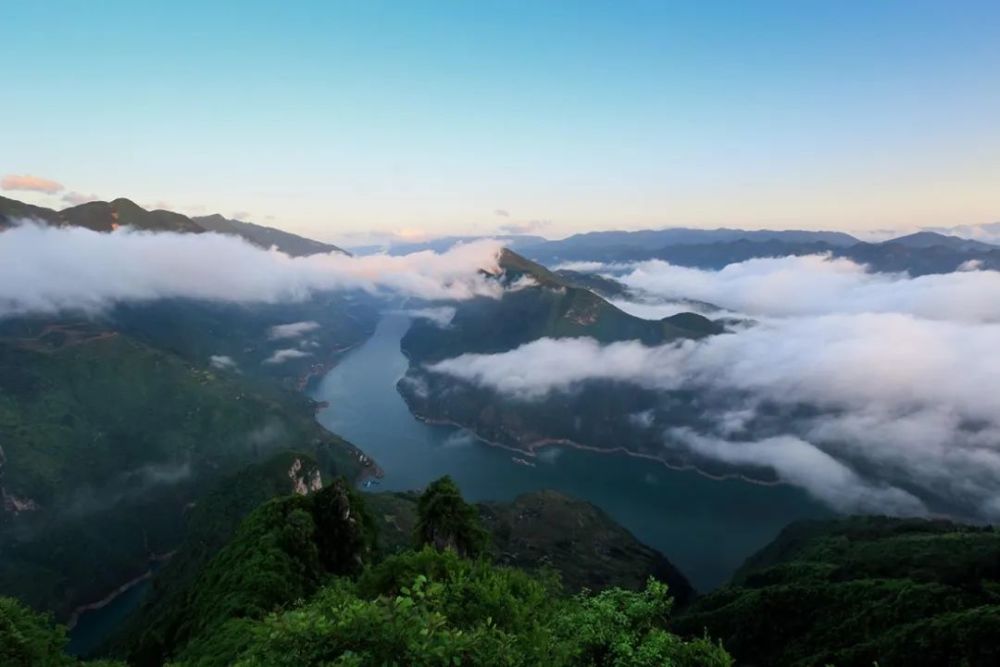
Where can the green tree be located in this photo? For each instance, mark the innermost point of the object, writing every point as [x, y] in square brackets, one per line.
[446, 521]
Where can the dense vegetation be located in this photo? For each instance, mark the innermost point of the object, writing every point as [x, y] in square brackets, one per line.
[105, 216]
[29, 639]
[860, 591]
[585, 546]
[300, 584]
[211, 525]
[597, 414]
[94, 481]
[434, 608]
[279, 554]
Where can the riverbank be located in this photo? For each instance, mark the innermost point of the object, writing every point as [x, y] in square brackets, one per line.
[531, 449]
[705, 526]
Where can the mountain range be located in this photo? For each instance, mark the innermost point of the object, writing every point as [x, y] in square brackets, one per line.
[157, 436]
[105, 216]
[921, 253]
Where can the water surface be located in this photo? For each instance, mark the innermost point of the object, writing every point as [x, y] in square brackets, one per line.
[705, 527]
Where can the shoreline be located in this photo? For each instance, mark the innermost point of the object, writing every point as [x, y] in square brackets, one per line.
[74, 617]
[531, 450]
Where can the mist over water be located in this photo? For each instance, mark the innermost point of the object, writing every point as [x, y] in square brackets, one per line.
[705, 527]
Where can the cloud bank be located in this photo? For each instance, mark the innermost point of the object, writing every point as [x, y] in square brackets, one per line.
[291, 330]
[817, 285]
[874, 393]
[47, 270]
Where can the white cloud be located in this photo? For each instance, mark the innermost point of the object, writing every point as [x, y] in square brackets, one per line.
[583, 267]
[281, 356]
[817, 285]
[657, 310]
[800, 463]
[222, 362]
[30, 183]
[291, 330]
[49, 269]
[439, 315]
[896, 400]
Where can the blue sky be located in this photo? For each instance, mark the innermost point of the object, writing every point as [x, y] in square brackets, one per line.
[341, 119]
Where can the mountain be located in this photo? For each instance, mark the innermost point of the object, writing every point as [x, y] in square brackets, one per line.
[310, 580]
[209, 526]
[113, 425]
[107, 439]
[918, 254]
[294, 343]
[575, 538]
[934, 239]
[12, 209]
[445, 243]
[861, 591]
[606, 246]
[301, 552]
[266, 237]
[104, 216]
[537, 304]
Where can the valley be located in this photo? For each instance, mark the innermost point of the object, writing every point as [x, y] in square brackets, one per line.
[705, 526]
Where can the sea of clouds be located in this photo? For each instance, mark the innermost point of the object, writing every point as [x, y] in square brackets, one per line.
[53, 269]
[902, 372]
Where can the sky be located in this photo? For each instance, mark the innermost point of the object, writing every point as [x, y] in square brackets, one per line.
[346, 121]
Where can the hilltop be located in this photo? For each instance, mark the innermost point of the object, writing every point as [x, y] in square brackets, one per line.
[538, 304]
[105, 216]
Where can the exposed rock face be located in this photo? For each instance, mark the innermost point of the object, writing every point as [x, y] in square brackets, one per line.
[16, 505]
[11, 503]
[305, 478]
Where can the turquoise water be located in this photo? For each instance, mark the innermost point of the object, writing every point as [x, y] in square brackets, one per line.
[93, 627]
[705, 527]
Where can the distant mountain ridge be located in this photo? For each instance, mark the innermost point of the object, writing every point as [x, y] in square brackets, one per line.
[289, 243]
[921, 253]
[102, 216]
[443, 243]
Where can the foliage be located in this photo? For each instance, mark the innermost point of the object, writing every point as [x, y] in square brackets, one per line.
[29, 639]
[454, 611]
[446, 521]
[210, 526]
[281, 552]
[597, 414]
[573, 537]
[111, 440]
[862, 590]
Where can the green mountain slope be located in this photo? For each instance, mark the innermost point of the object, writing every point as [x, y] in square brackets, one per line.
[541, 304]
[306, 565]
[243, 339]
[12, 210]
[862, 591]
[546, 528]
[266, 237]
[105, 216]
[106, 440]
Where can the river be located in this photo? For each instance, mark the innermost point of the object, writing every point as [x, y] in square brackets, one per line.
[705, 527]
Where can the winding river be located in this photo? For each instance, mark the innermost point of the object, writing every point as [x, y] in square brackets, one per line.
[705, 527]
